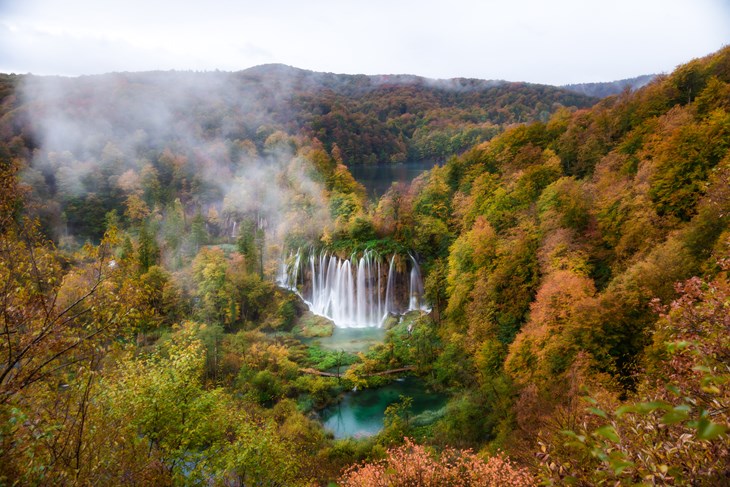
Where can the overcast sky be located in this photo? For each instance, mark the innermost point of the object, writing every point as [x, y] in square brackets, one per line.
[544, 41]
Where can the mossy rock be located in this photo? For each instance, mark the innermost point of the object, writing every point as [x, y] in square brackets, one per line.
[313, 326]
[391, 321]
[404, 322]
[411, 317]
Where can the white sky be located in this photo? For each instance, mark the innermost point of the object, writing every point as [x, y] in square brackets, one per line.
[544, 41]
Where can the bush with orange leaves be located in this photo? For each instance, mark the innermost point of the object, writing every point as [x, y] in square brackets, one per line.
[412, 465]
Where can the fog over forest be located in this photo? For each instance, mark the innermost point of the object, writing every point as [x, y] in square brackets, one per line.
[196, 290]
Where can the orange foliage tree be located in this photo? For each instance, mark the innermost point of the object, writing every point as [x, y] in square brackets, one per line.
[413, 465]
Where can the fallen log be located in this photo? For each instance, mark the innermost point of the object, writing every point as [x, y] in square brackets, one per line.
[384, 372]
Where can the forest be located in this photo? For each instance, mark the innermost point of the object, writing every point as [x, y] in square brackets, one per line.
[568, 262]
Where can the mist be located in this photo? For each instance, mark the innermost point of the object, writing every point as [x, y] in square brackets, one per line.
[216, 142]
[165, 148]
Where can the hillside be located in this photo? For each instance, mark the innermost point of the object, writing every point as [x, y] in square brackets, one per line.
[553, 253]
[602, 90]
[160, 233]
[371, 118]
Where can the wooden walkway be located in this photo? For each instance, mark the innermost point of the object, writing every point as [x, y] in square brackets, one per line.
[385, 372]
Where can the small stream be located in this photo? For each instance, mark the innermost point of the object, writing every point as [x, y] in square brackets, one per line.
[361, 413]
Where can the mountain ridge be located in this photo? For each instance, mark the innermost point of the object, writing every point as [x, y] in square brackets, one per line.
[599, 89]
[607, 88]
[389, 118]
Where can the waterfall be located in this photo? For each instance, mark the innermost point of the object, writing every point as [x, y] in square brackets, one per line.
[350, 292]
[415, 287]
[283, 279]
[293, 282]
[389, 289]
[361, 315]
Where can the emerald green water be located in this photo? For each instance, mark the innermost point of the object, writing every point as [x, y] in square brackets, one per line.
[352, 340]
[361, 413]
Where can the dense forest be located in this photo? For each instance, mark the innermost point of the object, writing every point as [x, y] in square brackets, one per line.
[602, 90]
[575, 255]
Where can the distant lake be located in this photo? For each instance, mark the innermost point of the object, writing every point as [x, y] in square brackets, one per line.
[377, 178]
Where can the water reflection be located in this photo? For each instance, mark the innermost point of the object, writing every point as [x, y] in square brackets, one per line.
[377, 178]
[361, 413]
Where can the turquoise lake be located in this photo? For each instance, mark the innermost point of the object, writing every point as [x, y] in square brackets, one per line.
[361, 413]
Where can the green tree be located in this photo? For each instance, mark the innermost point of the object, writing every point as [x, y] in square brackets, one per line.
[148, 252]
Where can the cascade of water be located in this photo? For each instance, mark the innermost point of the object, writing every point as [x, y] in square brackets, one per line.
[415, 287]
[380, 296]
[350, 292]
[361, 291]
[348, 295]
[390, 289]
[293, 283]
[311, 277]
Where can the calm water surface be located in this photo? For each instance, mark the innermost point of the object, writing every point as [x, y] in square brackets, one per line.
[352, 340]
[361, 413]
[377, 178]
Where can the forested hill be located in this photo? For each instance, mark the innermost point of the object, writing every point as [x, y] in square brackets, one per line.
[602, 90]
[553, 253]
[370, 118]
[576, 270]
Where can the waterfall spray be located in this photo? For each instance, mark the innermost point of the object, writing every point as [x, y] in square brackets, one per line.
[350, 292]
[415, 287]
[389, 289]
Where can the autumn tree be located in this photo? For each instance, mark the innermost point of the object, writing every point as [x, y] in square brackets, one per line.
[673, 431]
[412, 464]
